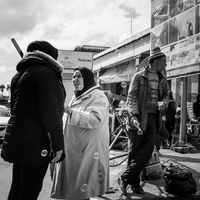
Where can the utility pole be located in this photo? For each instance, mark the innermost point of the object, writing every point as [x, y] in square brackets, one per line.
[131, 27]
[132, 39]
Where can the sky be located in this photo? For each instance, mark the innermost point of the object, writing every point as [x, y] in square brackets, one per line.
[66, 24]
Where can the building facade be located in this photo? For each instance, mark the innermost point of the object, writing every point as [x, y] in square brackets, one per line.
[175, 28]
[114, 67]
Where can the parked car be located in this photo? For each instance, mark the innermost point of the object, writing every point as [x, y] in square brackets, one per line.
[4, 117]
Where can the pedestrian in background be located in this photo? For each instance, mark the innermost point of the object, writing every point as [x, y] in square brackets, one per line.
[147, 96]
[85, 171]
[170, 119]
[196, 107]
[34, 135]
[177, 121]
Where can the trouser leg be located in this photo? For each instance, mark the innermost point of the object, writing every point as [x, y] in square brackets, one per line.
[15, 185]
[28, 181]
[32, 180]
[141, 148]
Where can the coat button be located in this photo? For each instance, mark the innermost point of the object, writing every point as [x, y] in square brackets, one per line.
[96, 156]
[44, 153]
[84, 187]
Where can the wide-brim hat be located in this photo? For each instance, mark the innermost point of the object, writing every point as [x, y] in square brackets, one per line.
[156, 53]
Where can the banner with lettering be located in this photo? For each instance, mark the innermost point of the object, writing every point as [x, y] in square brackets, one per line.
[73, 59]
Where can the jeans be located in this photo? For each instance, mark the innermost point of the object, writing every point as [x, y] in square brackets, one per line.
[27, 181]
[140, 151]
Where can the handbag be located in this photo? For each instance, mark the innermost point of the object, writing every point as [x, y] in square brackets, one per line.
[59, 178]
[179, 180]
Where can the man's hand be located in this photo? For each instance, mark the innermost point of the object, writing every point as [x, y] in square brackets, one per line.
[161, 106]
[134, 122]
[57, 156]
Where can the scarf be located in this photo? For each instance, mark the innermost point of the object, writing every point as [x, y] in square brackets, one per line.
[88, 80]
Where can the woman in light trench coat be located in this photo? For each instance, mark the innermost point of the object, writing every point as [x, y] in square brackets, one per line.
[85, 171]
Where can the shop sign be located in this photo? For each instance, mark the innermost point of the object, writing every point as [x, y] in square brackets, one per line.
[74, 59]
[191, 69]
[119, 73]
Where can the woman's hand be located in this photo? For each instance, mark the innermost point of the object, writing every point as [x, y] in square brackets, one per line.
[57, 156]
[68, 110]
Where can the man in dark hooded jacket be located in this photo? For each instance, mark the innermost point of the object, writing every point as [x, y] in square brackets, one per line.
[34, 135]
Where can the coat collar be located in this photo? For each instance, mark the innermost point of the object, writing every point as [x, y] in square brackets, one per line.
[85, 95]
[40, 56]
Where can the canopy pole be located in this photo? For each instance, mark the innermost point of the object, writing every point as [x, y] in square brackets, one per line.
[183, 109]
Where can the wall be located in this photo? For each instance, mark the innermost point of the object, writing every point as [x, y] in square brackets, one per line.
[123, 52]
[175, 28]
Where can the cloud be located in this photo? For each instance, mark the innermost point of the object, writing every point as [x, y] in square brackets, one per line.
[129, 11]
[4, 69]
[71, 23]
[67, 24]
[19, 16]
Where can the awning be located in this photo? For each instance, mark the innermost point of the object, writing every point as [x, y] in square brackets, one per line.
[118, 73]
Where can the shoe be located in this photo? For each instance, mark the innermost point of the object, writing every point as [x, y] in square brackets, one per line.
[122, 185]
[137, 189]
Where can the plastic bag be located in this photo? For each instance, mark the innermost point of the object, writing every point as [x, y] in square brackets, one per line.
[59, 177]
[179, 180]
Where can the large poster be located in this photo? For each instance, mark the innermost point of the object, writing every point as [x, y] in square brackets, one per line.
[186, 24]
[159, 35]
[73, 59]
[159, 12]
[175, 29]
[176, 37]
[178, 6]
[167, 52]
[197, 48]
[183, 53]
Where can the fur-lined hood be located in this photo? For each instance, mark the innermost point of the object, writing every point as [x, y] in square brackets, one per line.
[39, 56]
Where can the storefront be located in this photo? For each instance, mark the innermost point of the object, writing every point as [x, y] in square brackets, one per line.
[175, 29]
[114, 67]
[117, 78]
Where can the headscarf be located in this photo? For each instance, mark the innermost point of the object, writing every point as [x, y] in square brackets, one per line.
[88, 80]
[44, 47]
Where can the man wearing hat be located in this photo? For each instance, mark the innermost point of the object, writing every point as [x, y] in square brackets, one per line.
[147, 96]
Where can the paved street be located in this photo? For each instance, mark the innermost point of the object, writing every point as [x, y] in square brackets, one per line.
[154, 189]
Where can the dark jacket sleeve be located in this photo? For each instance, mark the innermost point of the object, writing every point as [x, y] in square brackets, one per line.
[165, 94]
[47, 90]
